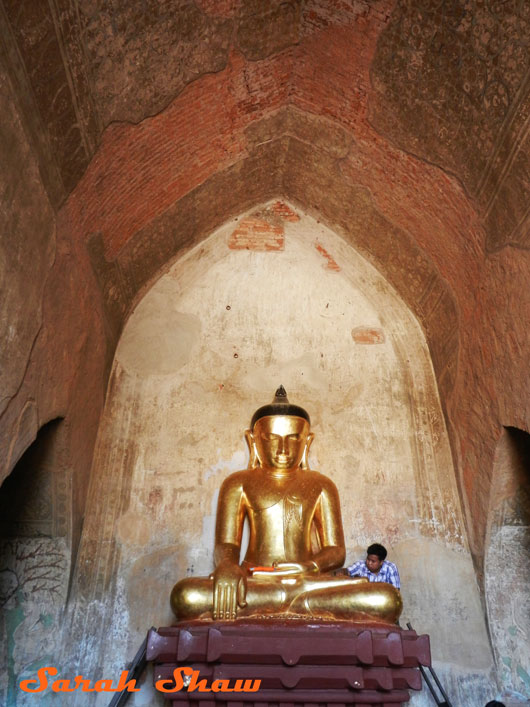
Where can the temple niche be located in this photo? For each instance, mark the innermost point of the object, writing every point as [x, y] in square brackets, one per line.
[272, 297]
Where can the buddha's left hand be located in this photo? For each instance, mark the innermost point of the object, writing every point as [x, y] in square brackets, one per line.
[288, 568]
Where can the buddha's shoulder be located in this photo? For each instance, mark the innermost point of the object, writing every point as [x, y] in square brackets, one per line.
[320, 479]
[237, 478]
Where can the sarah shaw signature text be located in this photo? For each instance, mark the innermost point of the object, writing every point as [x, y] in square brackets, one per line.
[184, 677]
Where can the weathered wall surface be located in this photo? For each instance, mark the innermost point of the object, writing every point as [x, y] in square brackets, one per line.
[52, 365]
[25, 218]
[55, 351]
[452, 86]
[272, 297]
[507, 557]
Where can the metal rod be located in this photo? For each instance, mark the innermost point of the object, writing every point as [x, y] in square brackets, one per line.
[441, 703]
[444, 694]
[430, 686]
[136, 669]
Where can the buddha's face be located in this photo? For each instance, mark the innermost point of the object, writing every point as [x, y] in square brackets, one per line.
[280, 441]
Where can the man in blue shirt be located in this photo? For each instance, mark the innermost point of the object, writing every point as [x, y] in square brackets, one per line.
[376, 567]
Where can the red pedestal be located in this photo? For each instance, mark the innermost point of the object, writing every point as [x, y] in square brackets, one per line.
[325, 664]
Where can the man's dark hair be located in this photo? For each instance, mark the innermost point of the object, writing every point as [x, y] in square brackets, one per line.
[495, 703]
[377, 549]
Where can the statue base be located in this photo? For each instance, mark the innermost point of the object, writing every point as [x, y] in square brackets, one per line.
[325, 664]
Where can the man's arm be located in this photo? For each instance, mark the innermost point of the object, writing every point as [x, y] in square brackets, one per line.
[355, 570]
[393, 575]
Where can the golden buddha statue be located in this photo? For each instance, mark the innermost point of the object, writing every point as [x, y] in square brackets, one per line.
[284, 573]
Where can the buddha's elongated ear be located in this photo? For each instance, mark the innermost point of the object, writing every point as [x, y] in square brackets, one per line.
[253, 460]
[304, 464]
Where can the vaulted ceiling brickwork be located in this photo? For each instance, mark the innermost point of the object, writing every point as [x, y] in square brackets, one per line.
[450, 78]
[452, 85]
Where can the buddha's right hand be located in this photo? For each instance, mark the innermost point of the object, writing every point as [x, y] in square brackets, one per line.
[229, 590]
[292, 568]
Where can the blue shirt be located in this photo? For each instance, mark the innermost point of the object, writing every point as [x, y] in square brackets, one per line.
[388, 572]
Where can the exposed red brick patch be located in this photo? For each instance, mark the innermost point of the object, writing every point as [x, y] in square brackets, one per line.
[331, 263]
[219, 8]
[368, 335]
[285, 212]
[141, 170]
[258, 235]
[263, 229]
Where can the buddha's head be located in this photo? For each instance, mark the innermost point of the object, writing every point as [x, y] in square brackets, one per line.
[279, 436]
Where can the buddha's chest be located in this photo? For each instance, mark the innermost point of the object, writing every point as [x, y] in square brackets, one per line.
[292, 500]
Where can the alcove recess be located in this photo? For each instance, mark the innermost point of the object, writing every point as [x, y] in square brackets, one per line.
[35, 523]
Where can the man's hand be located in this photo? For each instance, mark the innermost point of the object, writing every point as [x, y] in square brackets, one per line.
[229, 590]
[294, 568]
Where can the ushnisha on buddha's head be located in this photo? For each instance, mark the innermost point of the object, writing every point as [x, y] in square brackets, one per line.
[279, 435]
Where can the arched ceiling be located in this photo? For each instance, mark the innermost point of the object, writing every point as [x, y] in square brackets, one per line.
[448, 81]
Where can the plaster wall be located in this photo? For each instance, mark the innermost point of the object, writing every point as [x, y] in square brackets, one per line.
[507, 559]
[207, 345]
